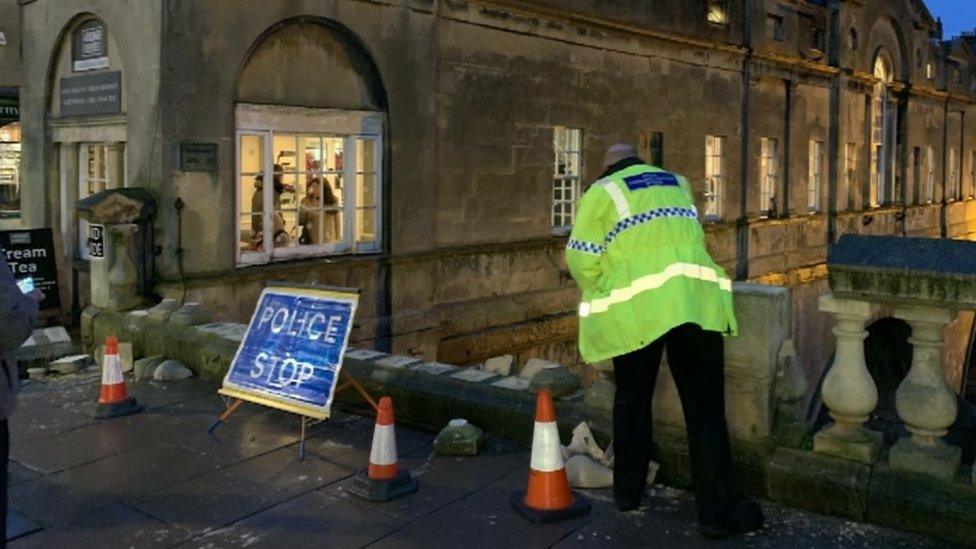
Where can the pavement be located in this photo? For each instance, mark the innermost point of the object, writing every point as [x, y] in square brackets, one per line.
[157, 479]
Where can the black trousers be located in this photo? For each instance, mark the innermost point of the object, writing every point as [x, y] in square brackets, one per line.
[697, 359]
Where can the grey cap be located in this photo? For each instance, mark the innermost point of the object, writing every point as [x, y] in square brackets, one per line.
[617, 153]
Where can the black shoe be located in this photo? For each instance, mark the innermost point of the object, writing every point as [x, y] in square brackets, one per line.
[743, 517]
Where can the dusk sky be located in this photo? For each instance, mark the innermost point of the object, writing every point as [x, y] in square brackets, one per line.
[957, 15]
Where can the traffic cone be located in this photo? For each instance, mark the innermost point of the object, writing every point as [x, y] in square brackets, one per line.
[113, 401]
[548, 497]
[383, 480]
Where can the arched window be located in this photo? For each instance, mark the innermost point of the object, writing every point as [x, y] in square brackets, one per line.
[883, 122]
[310, 119]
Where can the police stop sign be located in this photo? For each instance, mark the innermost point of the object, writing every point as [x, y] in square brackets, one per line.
[292, 352]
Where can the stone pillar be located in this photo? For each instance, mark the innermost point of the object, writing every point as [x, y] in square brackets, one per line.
[924, 400]
[114, 279]
[849, 391]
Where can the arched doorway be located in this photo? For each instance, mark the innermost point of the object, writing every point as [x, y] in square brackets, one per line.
[310, 119]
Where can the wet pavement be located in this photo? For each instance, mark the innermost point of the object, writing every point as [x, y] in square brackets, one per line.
[157, 479]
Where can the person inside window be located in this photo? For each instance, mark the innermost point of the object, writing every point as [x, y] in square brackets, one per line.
[281, 237]
[310, 216]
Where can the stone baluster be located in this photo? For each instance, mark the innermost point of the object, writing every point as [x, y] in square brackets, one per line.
[849, 391]
[924, 400]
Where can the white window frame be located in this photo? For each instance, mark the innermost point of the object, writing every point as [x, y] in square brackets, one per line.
[714, 176]
[268, 120]
[815, 179]
[883, 137]
[566, 186]
[929, 175]
[953, 182]
[768, 174]
[83, 182]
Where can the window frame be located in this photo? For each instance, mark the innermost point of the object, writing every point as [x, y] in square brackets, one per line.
[850, 171]
[768, 175]
[84, 149]
[929, 174]
[717, 6]
[573, 137]
[953, 177]
[970, 191]
[815, 176]
[351, 126]
[714, 182]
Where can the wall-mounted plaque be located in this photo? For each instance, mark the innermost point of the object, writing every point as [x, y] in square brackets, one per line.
[91, 94]
[89, 47]
[198, 157]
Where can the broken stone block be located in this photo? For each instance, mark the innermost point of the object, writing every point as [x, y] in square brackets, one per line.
[558, 380]
[459, 438]
[43, 346]
[434, 368]
[585, 443]
[57, 334]
[171, 370]
[191, 314]
[365, 354]
[397, 362]
[144, 368]
[125, 355]
[536, 365]
[583, 472]
[512, 383]
[37, 373]
[473, 376]
[71, 364]
[164, 309]
[501, 365]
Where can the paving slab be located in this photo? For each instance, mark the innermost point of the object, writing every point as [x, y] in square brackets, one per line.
[470, 525]
[667, 519]
[18, 473]
[349, 445]
[112, 526]
[443, 480]
[221, 497]
[19, 526]
[312, 520]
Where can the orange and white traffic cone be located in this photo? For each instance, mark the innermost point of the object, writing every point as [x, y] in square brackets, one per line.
[383, 480]
[548, 497]
[113, 401]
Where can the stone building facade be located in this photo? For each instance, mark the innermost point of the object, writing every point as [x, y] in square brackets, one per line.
[455, 136]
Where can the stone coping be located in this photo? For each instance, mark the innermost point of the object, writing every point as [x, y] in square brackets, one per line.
[914, 271]
[428, 395]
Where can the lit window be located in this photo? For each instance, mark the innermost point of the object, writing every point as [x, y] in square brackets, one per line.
[953, 182]
[323, 197]
[929, 175]
[815, 183]
[883, 125]
[714, 176]
[567, 148]
[767, 177]
[9, 169]
[718, 12]
[929, 71]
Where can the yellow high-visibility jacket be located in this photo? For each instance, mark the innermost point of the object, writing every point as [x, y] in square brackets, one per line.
[637, 250]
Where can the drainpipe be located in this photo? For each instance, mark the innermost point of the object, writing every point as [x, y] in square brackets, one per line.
[784, 212]
[742, 223]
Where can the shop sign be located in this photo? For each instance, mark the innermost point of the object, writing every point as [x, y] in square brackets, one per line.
[292, 353]
[30, 254]
[91, 94]
[96, 241]
[9, 110]
[198, 157]
[89, 48]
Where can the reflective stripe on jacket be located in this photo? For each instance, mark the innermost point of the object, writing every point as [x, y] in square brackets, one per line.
[638, 252]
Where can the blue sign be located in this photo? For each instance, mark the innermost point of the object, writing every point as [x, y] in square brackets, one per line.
[292, 351]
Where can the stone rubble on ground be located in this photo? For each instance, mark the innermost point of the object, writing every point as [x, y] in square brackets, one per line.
[501, 365]
[144, 368]
[584, 442]
[397, 361]
[36, 373]
[536, 365]
[583, 472]
[171, 370]
[512, 383]
[164, 309]
[71, 364]
[473, 376]
[459, 438]
[589, 466]
[558, 380]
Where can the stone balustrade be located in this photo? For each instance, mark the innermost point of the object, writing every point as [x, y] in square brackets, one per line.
[925, 282]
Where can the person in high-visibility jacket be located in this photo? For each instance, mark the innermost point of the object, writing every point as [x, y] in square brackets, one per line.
[637, 251]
